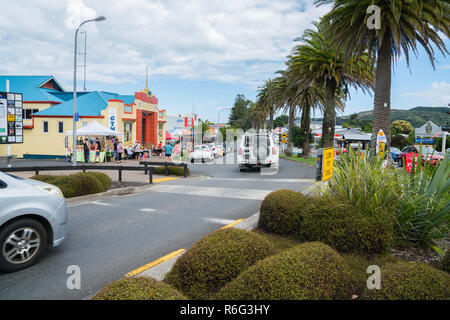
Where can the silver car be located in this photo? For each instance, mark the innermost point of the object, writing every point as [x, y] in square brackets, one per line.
[33, 215]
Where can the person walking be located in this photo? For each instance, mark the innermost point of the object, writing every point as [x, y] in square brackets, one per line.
[168, 151]
[87, 151]
[119, 151]
[98, 150]
[114, 153]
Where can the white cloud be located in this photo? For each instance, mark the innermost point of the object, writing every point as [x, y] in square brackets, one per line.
[236, 41]
[436, 95]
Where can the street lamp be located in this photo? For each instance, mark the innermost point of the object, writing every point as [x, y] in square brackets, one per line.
[74, 132]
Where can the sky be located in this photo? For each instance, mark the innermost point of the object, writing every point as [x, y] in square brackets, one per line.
[200, 53]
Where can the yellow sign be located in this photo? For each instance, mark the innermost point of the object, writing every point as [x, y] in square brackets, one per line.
[11, 118]
[283, 141]
[284, 135]
[381, 149]
[327, 164]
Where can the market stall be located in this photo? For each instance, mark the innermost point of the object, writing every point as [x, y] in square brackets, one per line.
[93, 131]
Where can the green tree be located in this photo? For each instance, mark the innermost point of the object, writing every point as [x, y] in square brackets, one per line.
[239, 117]
[404, 24]
[267, 99]
[401, 127]
[281, 121]
[321, 63]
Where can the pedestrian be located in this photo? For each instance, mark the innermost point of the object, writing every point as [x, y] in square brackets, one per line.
[98, 150]
[119, 151]
[87, 151]
[168, 151]
[114, 153]
[137, 150]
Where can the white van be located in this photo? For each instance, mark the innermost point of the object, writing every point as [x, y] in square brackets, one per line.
[257, 149]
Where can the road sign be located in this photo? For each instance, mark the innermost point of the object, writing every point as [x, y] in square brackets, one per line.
[77, 116]
[327, 164]
[283, 141]
[284, 135]
[381, 142]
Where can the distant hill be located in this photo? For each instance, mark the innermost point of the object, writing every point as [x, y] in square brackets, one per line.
[416, 116]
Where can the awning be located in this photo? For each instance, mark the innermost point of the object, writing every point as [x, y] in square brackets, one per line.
[169, 136]
[94, 129]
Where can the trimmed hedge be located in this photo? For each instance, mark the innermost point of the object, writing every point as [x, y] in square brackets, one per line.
[176, 171]
[411, 281]
[346, 229]
[74, 185]
[308, 271]
[341, 226]
[103, 178]
[215, 260]
[138, 288]
[358, 268]
[279, 212]
[446, 262]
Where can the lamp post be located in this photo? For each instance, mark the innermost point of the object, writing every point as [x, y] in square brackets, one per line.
[74, 132]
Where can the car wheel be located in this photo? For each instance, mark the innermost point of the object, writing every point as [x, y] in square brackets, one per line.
[22, 243]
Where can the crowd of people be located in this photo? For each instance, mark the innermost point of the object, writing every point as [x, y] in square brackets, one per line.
[133, 151]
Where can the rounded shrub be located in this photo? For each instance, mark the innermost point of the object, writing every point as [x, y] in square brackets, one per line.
[103, 178]
[358, 265]
[215, 260]
[47, 178]
[411, 281]
[345, 228]
[308, 271]
[176, 171]
[280, 212]
[446, 262]
[138, 288]
[85, 183]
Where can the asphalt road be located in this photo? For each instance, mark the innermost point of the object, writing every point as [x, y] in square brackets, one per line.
[114, 235]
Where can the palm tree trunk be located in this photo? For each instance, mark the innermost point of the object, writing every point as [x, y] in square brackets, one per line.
[290, 147]
[271, 118]
[382, 113]
[329, 115]
[305, 127]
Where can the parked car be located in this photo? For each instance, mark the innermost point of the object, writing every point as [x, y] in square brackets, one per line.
[428, 154]
[201, 153]
[33, 216]
[395, 154]
[257, 150]
[214, 149]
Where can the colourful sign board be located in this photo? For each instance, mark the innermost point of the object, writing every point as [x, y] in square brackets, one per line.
[11, 124]
[327, 164]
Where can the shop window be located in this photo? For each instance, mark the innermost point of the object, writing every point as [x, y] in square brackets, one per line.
[26, 113]
[45, 126]
[127, 131]
[60, 127]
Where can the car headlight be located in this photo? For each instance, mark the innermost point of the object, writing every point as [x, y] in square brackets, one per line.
[54, 191]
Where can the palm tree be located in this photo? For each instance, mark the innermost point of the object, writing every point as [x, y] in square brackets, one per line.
[258, 115]
[266, 97]
[318, 62]
[404, 25]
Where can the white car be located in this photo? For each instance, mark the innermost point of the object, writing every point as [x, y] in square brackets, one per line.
[257, 150]
[214, 149]
[201, 154]
[33, 216]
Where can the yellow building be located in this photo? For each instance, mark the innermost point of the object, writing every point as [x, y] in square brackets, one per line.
[48, 110]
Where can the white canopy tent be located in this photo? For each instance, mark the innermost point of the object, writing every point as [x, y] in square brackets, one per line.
[94, 129]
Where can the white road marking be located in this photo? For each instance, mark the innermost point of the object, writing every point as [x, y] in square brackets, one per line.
[148, 210]
[231, 193]
[98, 203]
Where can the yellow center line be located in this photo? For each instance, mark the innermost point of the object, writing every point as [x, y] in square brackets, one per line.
[154, 263]
[164, 179]
[232, 224]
